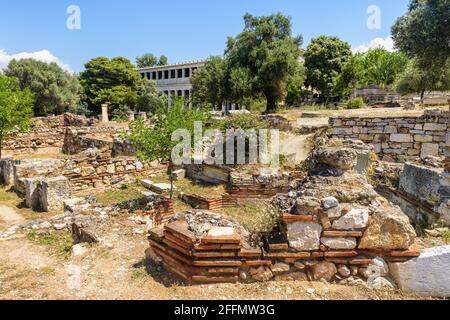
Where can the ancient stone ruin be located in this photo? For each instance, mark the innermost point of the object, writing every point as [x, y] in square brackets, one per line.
[332, 226]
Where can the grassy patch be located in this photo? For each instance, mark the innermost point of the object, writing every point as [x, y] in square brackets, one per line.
[11, 199]
[189, 187]
[111, 197]
[446, 236]
[254, 216]
[59, 243]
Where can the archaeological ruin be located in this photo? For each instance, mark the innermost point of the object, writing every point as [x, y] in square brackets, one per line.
[352, 213]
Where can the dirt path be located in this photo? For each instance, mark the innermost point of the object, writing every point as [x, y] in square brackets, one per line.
[116, 269]
[8, 216]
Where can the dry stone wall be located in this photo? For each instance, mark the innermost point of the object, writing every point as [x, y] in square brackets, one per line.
[49, 132]
[398, 138]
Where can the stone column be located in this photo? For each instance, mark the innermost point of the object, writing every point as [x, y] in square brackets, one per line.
[143, 115]
[105, 117]
[130, 115]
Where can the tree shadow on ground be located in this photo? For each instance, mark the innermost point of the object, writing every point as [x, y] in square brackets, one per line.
[158, 273]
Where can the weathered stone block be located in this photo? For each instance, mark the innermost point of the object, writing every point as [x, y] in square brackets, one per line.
[32, 192]
[339, 243]
[427, 275]
[434, 127]
[354, 220]
[429, 149]
[389, 229]
[401, 137]
[304, 236]
[54, 192]
[421, 182]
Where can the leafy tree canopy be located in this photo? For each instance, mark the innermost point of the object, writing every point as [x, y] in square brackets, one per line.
[268, 54]
[324, 60]
[56, 90]
[148, 60]
[117, 83]
[16, 107]
[423, 32]
[416, 79]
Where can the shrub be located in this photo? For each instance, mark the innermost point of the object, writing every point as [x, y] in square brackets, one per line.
[355, 103]
[242, 121]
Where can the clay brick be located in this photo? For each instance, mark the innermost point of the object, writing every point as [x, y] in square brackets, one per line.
[249, 253]
[179, 229]
[333, 254]
[208, 247]
[217, 263]
[298, 218]
[257, 263]
[177, 247]
[215, 254]
[278, 246]
[295, 255]
[232, 239]
[406, 253]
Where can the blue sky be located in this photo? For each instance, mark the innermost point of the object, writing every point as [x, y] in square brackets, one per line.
[183, 30]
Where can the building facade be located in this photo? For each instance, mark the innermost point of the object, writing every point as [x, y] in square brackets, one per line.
[173, 79]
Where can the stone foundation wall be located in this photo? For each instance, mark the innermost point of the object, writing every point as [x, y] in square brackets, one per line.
[398, 138]
[49, 132]
[84, 172]
[102, 170]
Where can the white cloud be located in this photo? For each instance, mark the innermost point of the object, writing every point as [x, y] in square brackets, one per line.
[386, 43]
[43, 55]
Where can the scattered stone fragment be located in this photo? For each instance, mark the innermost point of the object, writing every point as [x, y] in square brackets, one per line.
[389, 229]
[344, 271]
[329, 202]
[323, 270]
[356, 219]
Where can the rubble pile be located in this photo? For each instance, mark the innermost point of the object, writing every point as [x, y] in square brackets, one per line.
[333, 227]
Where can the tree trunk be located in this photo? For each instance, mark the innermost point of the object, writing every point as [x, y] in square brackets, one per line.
[422, 95]
[271, 104]
[1, 146]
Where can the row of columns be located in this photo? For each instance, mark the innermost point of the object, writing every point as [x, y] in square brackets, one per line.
[161, 74]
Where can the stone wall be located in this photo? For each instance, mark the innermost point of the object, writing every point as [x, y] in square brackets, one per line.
[49, 132]
[85, 171]
[398, 138]
[102, 170]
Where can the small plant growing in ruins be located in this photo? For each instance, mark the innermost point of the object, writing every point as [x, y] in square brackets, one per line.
[155, 142]
[355, 103]
[16, 108]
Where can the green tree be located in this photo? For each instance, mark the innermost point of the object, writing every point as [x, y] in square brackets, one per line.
[149, 99]
[163, 61]
[423, 32]
[416, 79]
[56, 90]
[154, 142]
[112, 81]
[209, 82]
[16, 107]
[380, 67]
[349, 77]
[268, 52]
[375, 67]
[324, 60]
[295, 86]
[146, 60]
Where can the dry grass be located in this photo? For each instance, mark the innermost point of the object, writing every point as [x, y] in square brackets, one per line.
[255, 216]
[11, 199]
[112, 197]
[59, 243]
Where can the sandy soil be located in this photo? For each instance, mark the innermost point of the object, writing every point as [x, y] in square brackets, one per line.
[116, 269]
